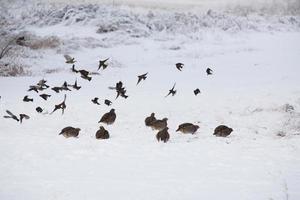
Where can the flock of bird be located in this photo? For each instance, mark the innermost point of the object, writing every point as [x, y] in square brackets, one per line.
[160, 125]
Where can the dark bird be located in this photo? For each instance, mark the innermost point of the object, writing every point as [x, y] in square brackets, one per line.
[23, 116]
[142, 77]
[39, 110]
[187, 128]
[56, 89]
[42, 84]
[197, 91]
[209, 71]
[65, 86]
[70, 132]
[75, 86]
[107, 102]
[149, 120]
[69, 59]
[179, 66]
[108, 118]
[83, 72]
[10, 115]
[222, 131]
[34, 88]
[73, 69]
[159, 124]
[86, 77]
[102, 133]
[95, 101]
[27, 99]
[102, 63]
[172, 91]
[60, 106]
[120, 90]
[45, 96]
[163, 135]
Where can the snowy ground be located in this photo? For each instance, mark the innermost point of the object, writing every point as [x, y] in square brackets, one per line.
[255, 59]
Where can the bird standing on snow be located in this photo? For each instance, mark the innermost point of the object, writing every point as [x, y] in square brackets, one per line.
[108, 118]
[222, 131]
[172, 91]
[70, 132]
[163, 135]
[209, 71]
[179, 66]
[187, 128]
[102, 133]
[149, 120]
[142, 77]
[159, 124]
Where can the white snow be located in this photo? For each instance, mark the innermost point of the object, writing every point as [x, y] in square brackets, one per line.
[255, 59]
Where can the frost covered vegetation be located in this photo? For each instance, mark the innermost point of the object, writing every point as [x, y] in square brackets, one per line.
[252, 49]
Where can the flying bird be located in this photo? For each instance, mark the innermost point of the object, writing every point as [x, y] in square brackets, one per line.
[56, 89]
[45, 96]
[39, 109]
[61, 106]
[209, 71]
[179, 66]
[197, 91]
[107, 102]
[102, 63]
[23, 116]
[27, 99]
[172, 91]
[75, 86]
[95, 101]
[69, 59]
[10, 115]
[142, 77]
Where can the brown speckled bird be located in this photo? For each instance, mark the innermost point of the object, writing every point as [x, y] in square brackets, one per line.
[159, 124]
[108, 118]
[149, 120]
[102, 133]
[70, 132]
[187, 128]
[222, 131]
[163, 135]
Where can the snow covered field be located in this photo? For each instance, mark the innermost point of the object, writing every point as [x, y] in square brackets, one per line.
[254, 90]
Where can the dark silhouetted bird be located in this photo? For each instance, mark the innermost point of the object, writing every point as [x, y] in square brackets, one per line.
[197, 91]
[10, 115]
[159, 124]
[27, 99]
[61, 106]
[120, 90]
[209, 71]
[95, 101]
[45, 96]
[142, 77]
[73, 69]
[163, 135]
[222, 131]
[107, 102]
[179, 66]
[187, 128]
[65, 86]
[23, 116]
[39, 109]
[75, 86]
[172, 91]
[102, 133]
[108, 118]
[102, 63]
[42, 84]
[149, 120]
[70, 132]
[69, 59]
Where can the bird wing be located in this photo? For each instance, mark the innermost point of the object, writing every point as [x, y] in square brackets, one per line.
[139, 79]
[10, 113]
[67, 57]
[173, 86]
